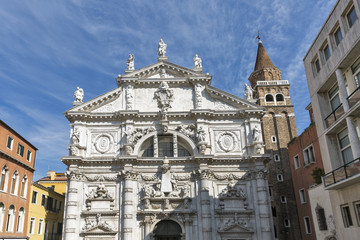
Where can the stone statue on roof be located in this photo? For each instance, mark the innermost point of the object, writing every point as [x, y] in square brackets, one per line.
[78, 95]
[248, 92]
[197, 61]
[162, 48]
[130, 62]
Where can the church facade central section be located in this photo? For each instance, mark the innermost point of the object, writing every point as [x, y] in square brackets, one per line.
[166, 156]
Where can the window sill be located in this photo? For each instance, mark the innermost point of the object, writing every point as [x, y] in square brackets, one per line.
[309, 164]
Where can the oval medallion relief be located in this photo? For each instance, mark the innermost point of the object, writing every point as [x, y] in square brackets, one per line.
[103, 143]
[227, 141]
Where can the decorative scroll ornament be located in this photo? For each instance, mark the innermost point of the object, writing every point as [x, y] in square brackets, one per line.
[187, 130]
[102, 178]
[129, 97]
[98, 223]
[164, 96]
[232, 222]
[103, 143]
[75, 175]
[133, 135]
[232, 191]
[100, 193]
[227, 141]
[198, 95]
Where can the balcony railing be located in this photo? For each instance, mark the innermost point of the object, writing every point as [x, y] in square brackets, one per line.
[354, 97]
[338, 112]
[342, 173]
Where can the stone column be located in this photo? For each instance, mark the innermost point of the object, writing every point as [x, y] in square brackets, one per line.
[205, 204]
[188, 228]
[353, 137]
[128, 205]
[147, 226]
[73, 210]
[264, 205]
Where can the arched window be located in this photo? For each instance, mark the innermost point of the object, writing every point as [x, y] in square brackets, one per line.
[4, 178]
[23, 188]
[165, 145]
[20, 222]
[279, 97]
[2, 214]
[10, 219]
[269, 98]
[167, 229]
[14, 182]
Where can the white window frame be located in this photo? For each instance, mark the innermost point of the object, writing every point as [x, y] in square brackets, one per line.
[32, 223]
[296, 162]
[19, 152]
[276, 158]
[302, 196]
[41, 226]
[280, 177]
[309, 159]
[28, 155]
[283, 199]
[342, 149]
[11, 144]
[287, 223]
[2, 215]
[347, 218]
[273, 139]
[307, 225]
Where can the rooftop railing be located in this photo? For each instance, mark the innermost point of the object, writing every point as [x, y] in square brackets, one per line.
[342, 173]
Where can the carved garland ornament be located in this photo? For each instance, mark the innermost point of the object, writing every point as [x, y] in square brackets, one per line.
[227, 141]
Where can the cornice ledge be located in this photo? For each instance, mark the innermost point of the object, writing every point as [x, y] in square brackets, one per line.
[68, 160]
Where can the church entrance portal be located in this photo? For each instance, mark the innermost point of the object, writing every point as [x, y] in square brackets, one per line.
[167, 230]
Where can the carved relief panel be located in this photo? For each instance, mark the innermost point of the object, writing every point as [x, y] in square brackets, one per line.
[227, 141]
[103, 143]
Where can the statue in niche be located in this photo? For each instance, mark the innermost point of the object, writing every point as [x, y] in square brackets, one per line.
[256, 134]
[248, 92]
[201, 135]
[148, 191]
[75, 136]
[130, 62]
[162, 48]
[186, 190]
[78, 95]
[197, 62]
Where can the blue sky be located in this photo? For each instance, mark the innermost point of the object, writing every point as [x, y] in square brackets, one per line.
[50, 47]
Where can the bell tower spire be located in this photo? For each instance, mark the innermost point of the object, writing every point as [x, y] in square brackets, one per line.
[264, 69]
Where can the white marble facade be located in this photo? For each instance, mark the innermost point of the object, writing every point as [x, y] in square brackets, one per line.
[166, 156]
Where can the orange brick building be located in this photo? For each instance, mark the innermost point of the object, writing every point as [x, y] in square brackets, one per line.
[305, 156]
[17, 159]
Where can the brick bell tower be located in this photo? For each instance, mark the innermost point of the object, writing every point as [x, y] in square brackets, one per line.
[279, 127]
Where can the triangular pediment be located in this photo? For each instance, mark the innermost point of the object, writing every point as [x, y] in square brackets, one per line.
[163, 69]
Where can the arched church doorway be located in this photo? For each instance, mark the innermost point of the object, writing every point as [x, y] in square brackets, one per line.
[167, 230]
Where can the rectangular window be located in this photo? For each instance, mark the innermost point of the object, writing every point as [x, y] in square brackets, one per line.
[317, 65]
[59, 228]
[345, 211]
[276, 158]
[9, 143]
[280, 178]
[334, 97]
[43, 200]
[307, 225]
[309, 155]
[283, 199]
[302, 196]
[20, 150]
[34, 197]
[355, 68]
[28, 156]
[357, 211]
[49, 205]
[338, 36]
[351, 16]
[60, 203]
[326, 51]
[296, 162]
[286, 223]
[55, 205]
[345, 146]
[40, 229]
[32, 225]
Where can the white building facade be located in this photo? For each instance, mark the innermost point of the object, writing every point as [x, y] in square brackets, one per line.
[166, 156]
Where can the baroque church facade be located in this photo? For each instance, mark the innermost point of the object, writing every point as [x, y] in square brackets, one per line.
[166, 156]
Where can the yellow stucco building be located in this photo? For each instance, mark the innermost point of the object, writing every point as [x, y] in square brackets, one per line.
[56, 180]
[46, 212]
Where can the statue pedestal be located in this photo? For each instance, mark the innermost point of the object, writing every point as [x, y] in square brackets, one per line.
[163, 59]
[77, 103]
[197, 69]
